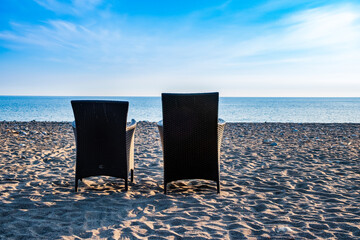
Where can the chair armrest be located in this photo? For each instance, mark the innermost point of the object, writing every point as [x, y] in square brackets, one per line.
[131, 125]
[221, 121]
[130, 136]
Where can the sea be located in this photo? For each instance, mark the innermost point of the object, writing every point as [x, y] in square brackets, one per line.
[231, 109]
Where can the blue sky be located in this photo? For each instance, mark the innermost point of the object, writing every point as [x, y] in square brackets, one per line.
[142, 47]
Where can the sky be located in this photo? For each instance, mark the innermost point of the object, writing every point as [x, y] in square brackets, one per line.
[275, 48]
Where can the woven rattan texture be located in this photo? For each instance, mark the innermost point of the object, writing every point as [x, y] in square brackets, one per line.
[130, 135]
[190, 136]
[101, 146]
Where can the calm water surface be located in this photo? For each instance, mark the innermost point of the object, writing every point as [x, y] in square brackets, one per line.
[231, 109]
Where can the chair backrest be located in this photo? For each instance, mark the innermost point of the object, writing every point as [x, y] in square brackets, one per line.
[190, 136]
[100, 137]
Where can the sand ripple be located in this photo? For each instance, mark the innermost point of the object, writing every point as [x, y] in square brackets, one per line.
[279, 181]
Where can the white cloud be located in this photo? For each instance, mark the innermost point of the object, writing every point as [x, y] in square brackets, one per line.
[321, 29]
[309, 47]
[54, 36]
[75, 7]
[310, 33]
[324, 27]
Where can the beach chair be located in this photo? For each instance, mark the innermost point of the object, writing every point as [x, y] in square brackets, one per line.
[104, 140]
[191, 137]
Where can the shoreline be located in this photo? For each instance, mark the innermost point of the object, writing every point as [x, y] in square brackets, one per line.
[146, 121]
[278, 180]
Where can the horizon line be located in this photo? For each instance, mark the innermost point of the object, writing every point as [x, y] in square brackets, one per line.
[107, 96]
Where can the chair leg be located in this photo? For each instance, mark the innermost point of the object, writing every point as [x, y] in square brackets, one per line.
[132, 175]
[126, 184]
[218, 186]
[76, 184]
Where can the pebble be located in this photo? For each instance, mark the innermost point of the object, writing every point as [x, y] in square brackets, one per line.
[269, 140]
[23, 133]
[284, 229]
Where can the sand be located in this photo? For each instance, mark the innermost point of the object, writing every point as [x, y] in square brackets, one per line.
[279, 181]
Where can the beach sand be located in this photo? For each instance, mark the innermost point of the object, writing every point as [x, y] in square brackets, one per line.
[279, 181]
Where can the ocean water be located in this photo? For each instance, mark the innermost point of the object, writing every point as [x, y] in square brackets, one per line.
[231, 109]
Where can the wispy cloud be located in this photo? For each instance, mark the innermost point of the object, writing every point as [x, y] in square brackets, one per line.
[55, 35]
[314, 43]
[331, 30]
[326, 29]
[75, 7]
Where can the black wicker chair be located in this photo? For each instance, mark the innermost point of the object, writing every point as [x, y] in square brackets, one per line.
[191, 137]
[104, 142]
